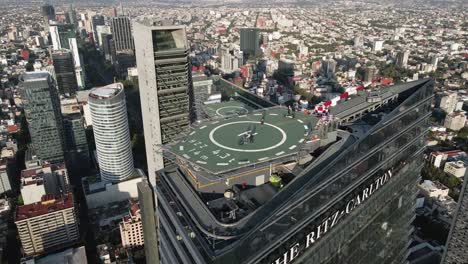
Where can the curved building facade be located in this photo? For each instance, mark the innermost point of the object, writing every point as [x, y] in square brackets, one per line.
[111, 132]
[351, 201]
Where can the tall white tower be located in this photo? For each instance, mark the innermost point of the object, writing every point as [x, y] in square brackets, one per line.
[111, 133]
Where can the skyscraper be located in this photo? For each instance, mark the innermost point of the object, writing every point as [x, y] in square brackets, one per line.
[65, 72]
[306, 189]
[456, 251]
[166, 97]
[402, 58]
[370, 73]
[76, 145]
[121, 29]
[96, 20]
[42, 110]
[250, 41]
[111, 133]
[48, 13]
[60, 35]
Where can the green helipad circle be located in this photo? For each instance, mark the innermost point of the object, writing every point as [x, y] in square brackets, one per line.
[266, 136]
[231, 110]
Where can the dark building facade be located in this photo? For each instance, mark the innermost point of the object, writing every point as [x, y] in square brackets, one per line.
[76, 145]
[48, 13]
[42, 110]
[457, 243]
[353, 203]
[250, 41]
[121, 29]
[65, 72]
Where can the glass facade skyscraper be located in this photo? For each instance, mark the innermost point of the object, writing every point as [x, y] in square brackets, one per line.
[42, 110]
[345, 192]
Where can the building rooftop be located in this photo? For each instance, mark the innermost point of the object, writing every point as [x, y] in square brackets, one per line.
[35, 76]
[221, 145]
[49, 204]
[106, 92]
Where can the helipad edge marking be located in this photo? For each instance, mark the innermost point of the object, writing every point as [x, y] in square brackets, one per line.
[279, 153]
[293, 146]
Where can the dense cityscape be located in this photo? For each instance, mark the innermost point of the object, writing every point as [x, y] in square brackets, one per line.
[234, 132]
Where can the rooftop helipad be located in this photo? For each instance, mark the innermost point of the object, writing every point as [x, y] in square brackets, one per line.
[227, 144]
[227, 109]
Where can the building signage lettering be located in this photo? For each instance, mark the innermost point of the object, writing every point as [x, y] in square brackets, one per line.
[319, 231]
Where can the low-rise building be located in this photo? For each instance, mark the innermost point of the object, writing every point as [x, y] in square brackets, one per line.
[46, 179]
[455, 168]
[434, 189]
[438, 158]
[131, 228]
[48, 224]
[455, 121]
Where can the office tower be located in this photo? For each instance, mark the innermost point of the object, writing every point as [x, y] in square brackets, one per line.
[448, 101]
[370, 73]
[100, 31]
[42, 110]
[231, 59]
[48, 13]
[402, 58]
[47, 225]
[108, 48]
[60, 35]
[456, 251]
[111, 133]
[286, 67]
[76, 145]
[273, 187]
[122, 33]
[202, 87]
[166, 97]
[329, 67]
[434, 62]
[77, 60]
[64, 72]
[96, 20]
[148, 220]
[250, 41]
[131, 228]
[73, 17]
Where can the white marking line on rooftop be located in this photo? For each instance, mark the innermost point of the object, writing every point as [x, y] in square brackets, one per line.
[302, 140]
[181, 148]
[186, 156]
[300, 121]
[222, 164]
[283, 139]
[193, 132]
[309, 141]
[246, 133]
[202, 127]
[306, 127]
[279, 153]
[293, 146]
[215, 122]
[201, 162]
[237, 107]
[243, 162]
[242, 115]
[273, 114]
[264, 158]
[257, 114]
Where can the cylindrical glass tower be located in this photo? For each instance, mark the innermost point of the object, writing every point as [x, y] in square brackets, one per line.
[111, 133]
